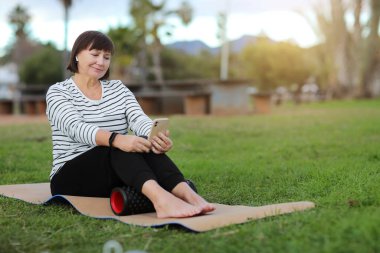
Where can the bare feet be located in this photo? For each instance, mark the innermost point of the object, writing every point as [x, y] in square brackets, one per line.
[169, 206]
[166, 204]
[184, 192]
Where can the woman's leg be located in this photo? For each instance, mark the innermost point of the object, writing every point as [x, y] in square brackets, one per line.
[136, 170]
[95, 172]
[88, 174]
[172, 180]
[167, 173]
[131, 168]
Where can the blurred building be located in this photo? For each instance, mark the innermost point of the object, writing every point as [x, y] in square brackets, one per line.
[8, 80]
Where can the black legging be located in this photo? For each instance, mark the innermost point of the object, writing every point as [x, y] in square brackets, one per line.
[95, 172]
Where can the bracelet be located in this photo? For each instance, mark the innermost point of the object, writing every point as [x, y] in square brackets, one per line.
[112, 138]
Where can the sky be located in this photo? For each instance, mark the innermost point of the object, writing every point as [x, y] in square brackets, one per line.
[279, 19]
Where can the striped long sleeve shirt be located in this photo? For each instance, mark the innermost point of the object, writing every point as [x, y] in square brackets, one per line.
[75, 119]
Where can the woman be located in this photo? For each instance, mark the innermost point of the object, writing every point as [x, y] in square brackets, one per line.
[89, 115]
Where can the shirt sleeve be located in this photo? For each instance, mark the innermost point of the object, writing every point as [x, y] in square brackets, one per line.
[138, 121]
[63, 115]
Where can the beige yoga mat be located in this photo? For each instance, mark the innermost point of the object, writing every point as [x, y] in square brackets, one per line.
[224, 215]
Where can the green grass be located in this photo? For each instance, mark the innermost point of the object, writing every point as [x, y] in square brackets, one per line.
[328, 153]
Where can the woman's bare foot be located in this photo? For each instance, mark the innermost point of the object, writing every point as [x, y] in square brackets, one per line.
[169, 206]
[166, 204]
[184, 192]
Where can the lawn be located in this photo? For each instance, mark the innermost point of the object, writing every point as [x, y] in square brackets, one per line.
[328, 153]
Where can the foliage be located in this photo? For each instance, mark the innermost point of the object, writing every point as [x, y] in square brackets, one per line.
[178, 65]
[151, 22]
[322, 66]
[325, 152]
[19, 19]
[22, 46]
[126, 42]
[271, 64]
[150, 17]
[42, 67]
[139, 58]
[125, 39]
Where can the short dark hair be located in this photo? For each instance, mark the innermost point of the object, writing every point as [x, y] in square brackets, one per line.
[90, 40]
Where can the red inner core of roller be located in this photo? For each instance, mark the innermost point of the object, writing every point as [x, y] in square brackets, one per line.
[117, 202]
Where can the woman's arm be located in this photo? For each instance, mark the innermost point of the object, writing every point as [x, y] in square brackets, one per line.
[138, 121]
[127, 143]
[64, 116]
[141, 124]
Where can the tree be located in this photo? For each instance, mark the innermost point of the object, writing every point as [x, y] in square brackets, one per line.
[42, 67]
[271, 64]
[23, 47]
[350, 48]
[126, 41]
[19, 19]
[149, 19]
[323, 66]
[372, 51]
[177, 65]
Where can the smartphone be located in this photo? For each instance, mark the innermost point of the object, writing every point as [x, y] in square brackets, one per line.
[159, 125]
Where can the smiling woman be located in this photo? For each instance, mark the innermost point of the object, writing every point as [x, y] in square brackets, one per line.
[94, 51]
[92, 151]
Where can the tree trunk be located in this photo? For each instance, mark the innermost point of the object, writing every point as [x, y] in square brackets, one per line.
[143, 64]
[356, 49]
[156, 58]
[66, 74]
[341, 48]
[372, 50]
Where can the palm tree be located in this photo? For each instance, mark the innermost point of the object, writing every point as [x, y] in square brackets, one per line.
[140, 10]
[19, 18]
[23, 47]
[149, 18]
[126, 41]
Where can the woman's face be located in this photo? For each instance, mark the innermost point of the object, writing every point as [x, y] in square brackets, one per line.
[93, 63]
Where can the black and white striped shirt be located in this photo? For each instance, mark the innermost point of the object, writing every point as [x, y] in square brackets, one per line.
[75, 119]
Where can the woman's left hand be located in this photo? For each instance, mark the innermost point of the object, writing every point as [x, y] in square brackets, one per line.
[161, 143]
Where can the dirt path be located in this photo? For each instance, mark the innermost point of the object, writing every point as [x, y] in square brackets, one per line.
[22, 119]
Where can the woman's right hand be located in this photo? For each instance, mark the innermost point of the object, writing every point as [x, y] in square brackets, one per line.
[131, 143]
